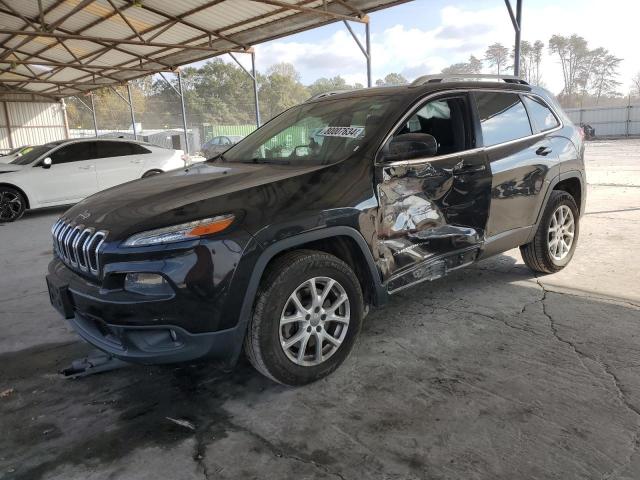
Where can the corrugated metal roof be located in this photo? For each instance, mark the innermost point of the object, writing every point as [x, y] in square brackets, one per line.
[87, 43]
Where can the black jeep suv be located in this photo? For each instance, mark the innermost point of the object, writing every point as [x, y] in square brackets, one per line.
[280, 245]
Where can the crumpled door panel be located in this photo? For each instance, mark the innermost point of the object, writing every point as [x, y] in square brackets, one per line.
[416, 206]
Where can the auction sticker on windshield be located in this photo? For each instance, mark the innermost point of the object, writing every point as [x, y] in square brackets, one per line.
[345, 132]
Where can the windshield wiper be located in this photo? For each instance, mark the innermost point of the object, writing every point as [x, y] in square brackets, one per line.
[273, 161]
[217, 157]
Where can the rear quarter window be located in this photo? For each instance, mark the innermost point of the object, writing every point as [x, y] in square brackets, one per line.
[503, 117]
[541, 115]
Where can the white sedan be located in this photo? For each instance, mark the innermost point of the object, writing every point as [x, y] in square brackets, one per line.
[65, 172]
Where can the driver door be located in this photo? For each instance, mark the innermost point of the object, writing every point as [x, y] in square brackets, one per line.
[433, 210]
[71, 177]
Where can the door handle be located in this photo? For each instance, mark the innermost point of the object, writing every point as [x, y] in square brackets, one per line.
[544, 151]
[135, 161]
[87, 167]
[462, 167]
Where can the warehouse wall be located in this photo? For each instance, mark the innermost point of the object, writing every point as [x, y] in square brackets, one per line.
[31, 123]
[622, 121]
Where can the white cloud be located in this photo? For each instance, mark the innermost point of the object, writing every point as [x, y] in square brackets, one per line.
[461, 32]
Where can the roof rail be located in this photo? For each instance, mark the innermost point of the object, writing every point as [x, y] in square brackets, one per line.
[460, 77]
[327, 94]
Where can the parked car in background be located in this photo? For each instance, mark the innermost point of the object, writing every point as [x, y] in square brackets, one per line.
[15, 153]
[219, 144]
[278, 249]
[65, 172]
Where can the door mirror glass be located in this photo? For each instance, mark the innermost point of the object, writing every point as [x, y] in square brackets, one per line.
[302, 151]
[408, 146]
[47, 162]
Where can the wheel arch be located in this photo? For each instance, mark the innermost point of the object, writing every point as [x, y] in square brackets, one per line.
[572, 179]
[15, 187]
[344, 242]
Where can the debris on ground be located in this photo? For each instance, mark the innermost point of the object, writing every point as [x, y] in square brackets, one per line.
[182, 423]
[6, 393]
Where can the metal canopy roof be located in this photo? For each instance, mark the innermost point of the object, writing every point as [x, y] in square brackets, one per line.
[57, 48]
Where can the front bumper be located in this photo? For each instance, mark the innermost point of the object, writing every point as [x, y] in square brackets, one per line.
[199, 319]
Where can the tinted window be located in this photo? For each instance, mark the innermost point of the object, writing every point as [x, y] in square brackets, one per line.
[446, 120]
[541, 115]
[113, 149]
[138, 149]
[32, 154]
[502, 116]
[74, 153]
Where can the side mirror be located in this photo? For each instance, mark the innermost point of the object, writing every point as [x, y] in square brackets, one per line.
[302, 151]
[47, 162]
[409, 146]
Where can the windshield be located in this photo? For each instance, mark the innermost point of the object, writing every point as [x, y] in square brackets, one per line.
[314, 133]
[33, 154]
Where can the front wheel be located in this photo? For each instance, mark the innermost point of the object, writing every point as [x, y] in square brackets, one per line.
[306, 318]
[555, 240]
[12, 204]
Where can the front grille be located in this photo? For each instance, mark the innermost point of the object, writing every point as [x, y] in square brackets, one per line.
[78, 247]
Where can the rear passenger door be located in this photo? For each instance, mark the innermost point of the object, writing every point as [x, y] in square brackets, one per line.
[522, 163]
[117, 163]
[433, 210]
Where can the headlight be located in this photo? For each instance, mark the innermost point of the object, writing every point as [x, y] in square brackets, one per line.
[184, 231]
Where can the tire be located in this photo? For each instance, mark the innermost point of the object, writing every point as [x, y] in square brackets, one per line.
[539, 255]
[12, 204]
[290, 274]
[151, 173]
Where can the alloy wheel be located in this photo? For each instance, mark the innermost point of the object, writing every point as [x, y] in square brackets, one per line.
[561, 233]
[314, 321]
[10, 205]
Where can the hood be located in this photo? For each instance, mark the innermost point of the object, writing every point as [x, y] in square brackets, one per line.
[199, 191]
[6, 167]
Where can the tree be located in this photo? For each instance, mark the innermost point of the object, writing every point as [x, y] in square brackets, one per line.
[574, 58]
[635, 85]
[497, 55]
[604, 74]
[323, 85]
[392, 79]
[280, 89]
[536, 57]
[473, 66]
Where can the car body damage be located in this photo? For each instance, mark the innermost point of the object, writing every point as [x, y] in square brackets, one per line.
[414, 227]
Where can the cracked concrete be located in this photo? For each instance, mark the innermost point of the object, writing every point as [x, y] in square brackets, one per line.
[490, 373]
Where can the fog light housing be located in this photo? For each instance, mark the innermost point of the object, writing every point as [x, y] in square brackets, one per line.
[147, 284]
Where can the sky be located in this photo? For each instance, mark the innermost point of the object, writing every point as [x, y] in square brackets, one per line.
[424, 36]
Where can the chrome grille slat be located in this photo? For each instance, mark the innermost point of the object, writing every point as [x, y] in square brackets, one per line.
[78, 247]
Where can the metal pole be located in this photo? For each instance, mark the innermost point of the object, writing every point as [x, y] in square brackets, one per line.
[93, 112]
[255, 87]
[133, 118]
[8, 122]
[628, 117]
[184, 114]
[368, 44]
[516, 56]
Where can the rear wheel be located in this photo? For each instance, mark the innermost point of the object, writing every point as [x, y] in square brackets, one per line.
[555, 241]
[306, 318]
[12, 204]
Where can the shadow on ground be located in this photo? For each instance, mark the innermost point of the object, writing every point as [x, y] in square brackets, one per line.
[484, 374]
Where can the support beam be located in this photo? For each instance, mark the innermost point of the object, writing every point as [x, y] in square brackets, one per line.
[516, 20]
[255, 87]
[133, 117]
[184, 114]
[7, 121]
[93, 113]
[366, 50]
[316, 11]
[105, 41]
[253, 77]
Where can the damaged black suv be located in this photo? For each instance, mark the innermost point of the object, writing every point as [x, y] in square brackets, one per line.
[279, 246]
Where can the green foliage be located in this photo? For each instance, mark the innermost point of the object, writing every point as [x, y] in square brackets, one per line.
[496, 55]
[392, 79]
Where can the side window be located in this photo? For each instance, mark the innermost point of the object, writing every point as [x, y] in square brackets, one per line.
[541, 115]
[75, 152]
[447, 120]
[502, 117]
[138, 149]
[225, 141]
[215, 141]
[113, 149]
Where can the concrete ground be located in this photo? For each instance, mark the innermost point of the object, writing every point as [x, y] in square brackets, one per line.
[490, 373]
